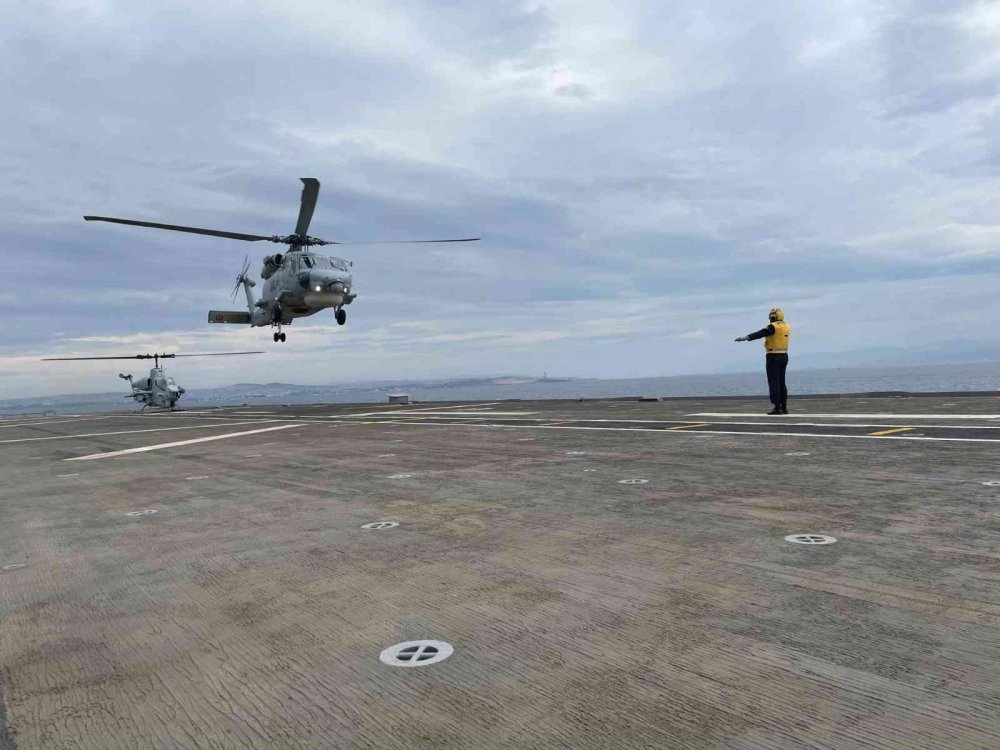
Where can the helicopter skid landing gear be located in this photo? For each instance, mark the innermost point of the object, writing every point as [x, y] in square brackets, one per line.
[279, 337]
[341, 316]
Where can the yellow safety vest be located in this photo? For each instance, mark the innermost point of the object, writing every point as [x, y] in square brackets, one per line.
[777, 342]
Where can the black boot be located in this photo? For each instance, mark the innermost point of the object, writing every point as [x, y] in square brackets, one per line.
[775, 410]
[784, 408]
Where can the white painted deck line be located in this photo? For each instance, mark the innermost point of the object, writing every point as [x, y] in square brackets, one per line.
[778, 419]
[692, 432]
[161, 446]
[770, 423]
[136, 432]
[56, 421]
[392, 412]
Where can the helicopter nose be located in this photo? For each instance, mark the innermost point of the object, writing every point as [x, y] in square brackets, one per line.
[319, 282]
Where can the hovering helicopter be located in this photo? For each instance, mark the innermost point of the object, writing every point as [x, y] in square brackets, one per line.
[159, 390]
[297, 283]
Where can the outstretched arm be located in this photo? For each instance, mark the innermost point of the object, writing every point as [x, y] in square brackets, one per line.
[767, 331]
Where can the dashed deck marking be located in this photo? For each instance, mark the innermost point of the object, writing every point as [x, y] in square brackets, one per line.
[161, 446]
[890, 432]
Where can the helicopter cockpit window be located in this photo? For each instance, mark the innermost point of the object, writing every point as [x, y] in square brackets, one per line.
[307, 261]
[338, 264]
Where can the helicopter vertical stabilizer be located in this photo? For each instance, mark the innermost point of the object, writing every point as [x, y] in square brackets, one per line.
[229, 316]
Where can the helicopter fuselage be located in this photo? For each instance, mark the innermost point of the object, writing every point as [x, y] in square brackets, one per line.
[298, 284]
[159, 390]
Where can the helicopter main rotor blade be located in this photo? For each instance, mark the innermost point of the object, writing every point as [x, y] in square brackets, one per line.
[394, 242]
[217, 354]
[310, 192]
[189, 230]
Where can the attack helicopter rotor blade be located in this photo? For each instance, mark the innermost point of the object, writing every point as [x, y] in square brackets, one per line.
[189, 230]
[393, 242]
[310, 192]
[149, 356]
[128, 356]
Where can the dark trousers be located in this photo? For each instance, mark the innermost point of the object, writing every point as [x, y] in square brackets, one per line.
[776, 366]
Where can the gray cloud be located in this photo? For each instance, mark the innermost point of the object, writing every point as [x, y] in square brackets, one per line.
[648, 179]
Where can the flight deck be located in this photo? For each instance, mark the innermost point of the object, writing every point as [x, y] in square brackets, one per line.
[684, 573]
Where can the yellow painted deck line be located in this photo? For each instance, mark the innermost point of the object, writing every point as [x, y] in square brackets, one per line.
[880, 415]
[136, 432]
[690, 426]
[161, 446]
[889, 432]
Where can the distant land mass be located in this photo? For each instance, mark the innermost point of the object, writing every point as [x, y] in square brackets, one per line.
[974, 376]
[364, 391]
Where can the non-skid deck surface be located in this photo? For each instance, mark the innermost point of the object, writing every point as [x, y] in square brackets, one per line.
[586, 610]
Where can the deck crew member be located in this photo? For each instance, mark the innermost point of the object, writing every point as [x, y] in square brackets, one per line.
[775, 336]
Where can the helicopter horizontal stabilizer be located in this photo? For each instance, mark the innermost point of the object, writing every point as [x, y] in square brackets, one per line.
[228, 316]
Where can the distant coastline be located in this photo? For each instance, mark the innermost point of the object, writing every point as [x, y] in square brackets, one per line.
[971, 377]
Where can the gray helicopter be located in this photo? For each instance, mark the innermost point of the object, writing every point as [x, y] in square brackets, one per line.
[159, 390]
[297, 283]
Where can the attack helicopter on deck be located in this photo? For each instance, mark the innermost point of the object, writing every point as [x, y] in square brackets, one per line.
[297, 283]
[159, 390]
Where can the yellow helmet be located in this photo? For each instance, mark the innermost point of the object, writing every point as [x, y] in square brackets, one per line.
[776, 313]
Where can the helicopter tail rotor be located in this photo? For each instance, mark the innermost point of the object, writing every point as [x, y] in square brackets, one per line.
[241, 278]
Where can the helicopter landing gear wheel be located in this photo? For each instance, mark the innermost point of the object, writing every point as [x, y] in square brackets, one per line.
[341, 316]
[279, 337]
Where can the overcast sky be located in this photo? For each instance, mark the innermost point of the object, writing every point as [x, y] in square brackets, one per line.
[649, 178]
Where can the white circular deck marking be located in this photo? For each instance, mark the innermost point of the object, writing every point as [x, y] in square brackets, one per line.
[810, 539]
[798, 453]
[633, 481]
[992, 483]
[13, 566]
[590, 469]
[400, 476]
[147, 512]
[576, 453]
[385, 455]
[416, 653]
[375, 525]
